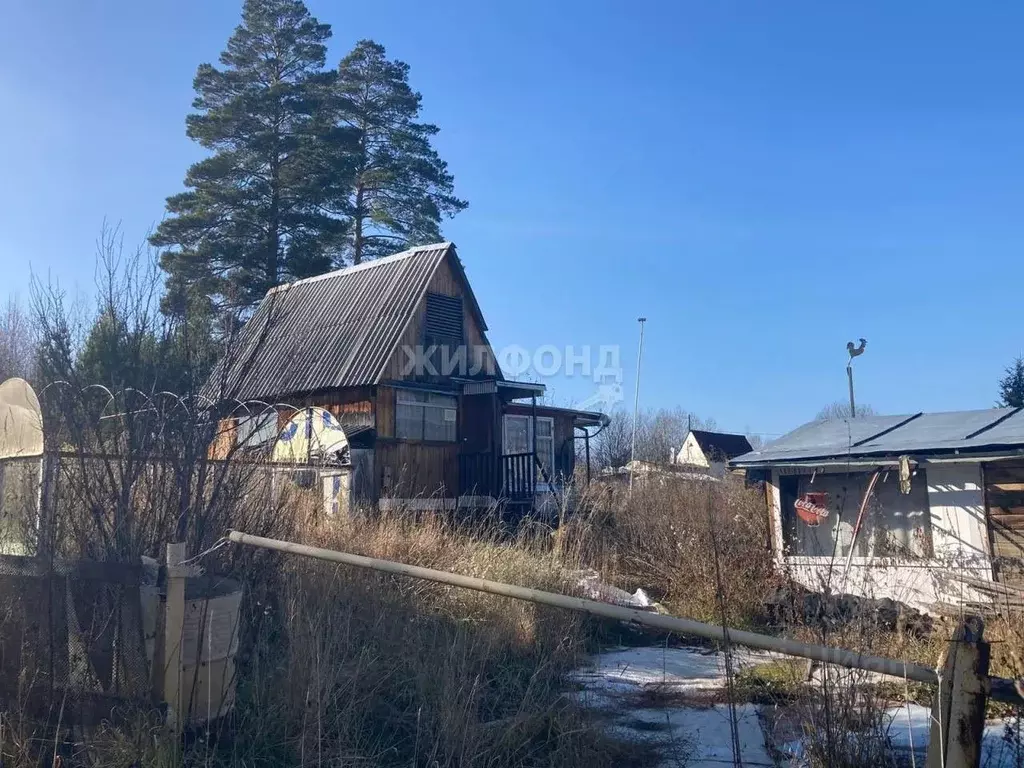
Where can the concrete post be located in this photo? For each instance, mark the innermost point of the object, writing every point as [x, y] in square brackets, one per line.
[958, 715]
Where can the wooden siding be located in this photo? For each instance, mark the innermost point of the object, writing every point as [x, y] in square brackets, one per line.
[224, 440]
[417, 470]
[385, 410]
[446, 283]
[410, 469]
[352, 407]
[1004, 498]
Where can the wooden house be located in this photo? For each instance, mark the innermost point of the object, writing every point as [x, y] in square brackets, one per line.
[925, 508]
[396, 352]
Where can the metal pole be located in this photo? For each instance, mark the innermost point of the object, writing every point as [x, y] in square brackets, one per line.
[839, 656]
[854, 351]
[586, 443]
[636, 402]
[531, 477]
[849, 376]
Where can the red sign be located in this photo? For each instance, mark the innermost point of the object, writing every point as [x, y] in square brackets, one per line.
[812, 508]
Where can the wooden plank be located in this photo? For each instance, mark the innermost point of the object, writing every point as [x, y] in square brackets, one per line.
[1006, 487]
[385, 410]
[1004, 472]
[998, 510]
[1006, 546]
[958, 711]
[419, 470]
[1014, 522]
[992, 587]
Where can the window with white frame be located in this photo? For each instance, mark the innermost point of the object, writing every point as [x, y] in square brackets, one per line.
[518, 438]
[425, 416]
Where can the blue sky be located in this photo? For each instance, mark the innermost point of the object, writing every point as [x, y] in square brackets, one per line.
[763, 181]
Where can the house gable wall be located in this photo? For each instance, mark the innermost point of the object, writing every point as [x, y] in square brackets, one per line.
[690, 454]
[447, 283]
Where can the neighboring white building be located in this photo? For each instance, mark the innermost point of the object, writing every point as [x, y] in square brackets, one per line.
[927, 509]
[709, 451]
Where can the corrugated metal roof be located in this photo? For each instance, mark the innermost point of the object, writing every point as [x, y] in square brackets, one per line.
[334, 330]
[919, 433]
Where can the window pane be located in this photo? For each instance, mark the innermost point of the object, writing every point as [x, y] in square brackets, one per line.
[517, 434]
[545, 454]
[411, 396]
[545, 427]
[257, 430]
[440, 424]
[444, 400]
[409, 421]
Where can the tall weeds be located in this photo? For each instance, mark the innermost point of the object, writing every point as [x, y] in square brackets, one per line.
[661, 538]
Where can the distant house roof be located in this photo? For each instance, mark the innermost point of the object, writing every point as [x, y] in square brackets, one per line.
[721, 445]
[334, 330]
[954, 432]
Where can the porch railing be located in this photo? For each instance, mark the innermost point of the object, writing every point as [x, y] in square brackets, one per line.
[479, 475]
[511, 476]
[519, 475]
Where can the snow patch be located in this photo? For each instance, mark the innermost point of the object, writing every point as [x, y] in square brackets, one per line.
[908, 727]
[699, 736]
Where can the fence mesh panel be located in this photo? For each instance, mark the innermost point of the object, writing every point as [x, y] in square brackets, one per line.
[73, 632]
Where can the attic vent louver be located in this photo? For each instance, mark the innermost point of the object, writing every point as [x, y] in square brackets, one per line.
[444, 319]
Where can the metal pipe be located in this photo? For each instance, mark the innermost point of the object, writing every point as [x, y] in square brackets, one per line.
[849, 376]
[838, 656]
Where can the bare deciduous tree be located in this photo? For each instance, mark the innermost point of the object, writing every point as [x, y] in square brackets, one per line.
[658, 434]
[18, 342]
[840, 410]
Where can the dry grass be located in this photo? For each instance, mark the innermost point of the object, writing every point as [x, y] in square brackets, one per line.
[664, 538]
[349, 667]
[344, 667]
[383, 670]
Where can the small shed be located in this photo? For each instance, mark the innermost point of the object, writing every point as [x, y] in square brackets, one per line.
[710, 451]
[925, 508]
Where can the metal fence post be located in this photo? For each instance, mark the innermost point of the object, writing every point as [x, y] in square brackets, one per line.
[958, 714]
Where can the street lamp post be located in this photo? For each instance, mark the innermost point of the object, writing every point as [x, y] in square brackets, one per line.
[636, 402]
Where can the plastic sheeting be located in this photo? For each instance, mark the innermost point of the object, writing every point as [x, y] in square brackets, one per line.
[21, 421]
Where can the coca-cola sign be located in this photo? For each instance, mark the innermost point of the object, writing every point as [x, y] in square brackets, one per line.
[812, 508]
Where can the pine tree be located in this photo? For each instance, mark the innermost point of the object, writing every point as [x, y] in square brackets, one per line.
[268, 204]
[402, 187]
[1011, 386]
